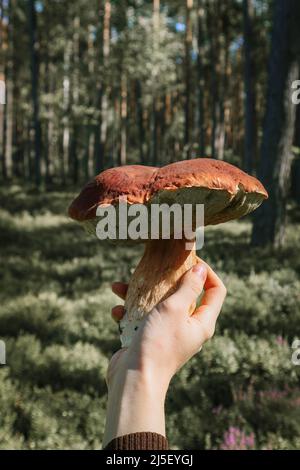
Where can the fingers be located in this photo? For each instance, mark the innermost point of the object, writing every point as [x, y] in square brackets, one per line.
[190, 288]
[120, 289]
[211, 303]
[118, 312]
[215, 292]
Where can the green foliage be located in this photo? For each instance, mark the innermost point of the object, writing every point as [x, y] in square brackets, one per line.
[55, 320]
[276, 308]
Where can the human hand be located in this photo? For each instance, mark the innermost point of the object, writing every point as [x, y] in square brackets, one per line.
[138, 377]
[168, 336]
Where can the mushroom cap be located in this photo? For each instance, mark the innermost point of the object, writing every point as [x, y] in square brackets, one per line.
[132, 181]
[206, 173]
[226, 191]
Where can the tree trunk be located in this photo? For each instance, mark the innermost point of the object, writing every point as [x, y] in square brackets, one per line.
[106, 52]
[155, 73]
[2, 78]
[140, 120]
[101, 100]
[123, 108]
[200, 88]
[224, 60]
[213, 58]
[88, 155]
[276, 152]
[98, 148]
[49, 121]
[297, 126]
[35, 90]
[7, 144]
[73, 147]
[66, 113]
[250, 92]
[188, 44]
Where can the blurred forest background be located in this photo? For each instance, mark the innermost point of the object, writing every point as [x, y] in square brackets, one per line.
[93, 84]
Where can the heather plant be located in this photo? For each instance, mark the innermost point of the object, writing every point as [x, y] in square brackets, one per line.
[236, 439]
[241, 391]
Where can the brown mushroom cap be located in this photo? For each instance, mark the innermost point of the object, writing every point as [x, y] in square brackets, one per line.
[132, 181]
[206, 173]
[226, 191]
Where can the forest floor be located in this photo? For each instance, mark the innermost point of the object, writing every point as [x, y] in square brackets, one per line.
[242, 391]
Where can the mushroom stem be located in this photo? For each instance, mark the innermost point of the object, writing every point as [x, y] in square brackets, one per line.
[155, 278]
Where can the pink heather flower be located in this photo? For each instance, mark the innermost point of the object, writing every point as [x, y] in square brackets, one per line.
[280, 340]
[236, 439]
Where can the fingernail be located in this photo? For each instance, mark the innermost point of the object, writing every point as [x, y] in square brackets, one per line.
[200, 270]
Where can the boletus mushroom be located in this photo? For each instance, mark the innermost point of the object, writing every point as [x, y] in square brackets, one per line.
[225, 191]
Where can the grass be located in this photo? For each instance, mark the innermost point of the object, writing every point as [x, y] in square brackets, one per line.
[55, 303]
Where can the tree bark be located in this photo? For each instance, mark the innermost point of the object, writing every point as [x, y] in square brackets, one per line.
[213, 58]
[98, 147]
[276, 153]
[123, 109]
[102, 100]
[297, 128]
[188, 45]
[155, 72]
[250, 148]
[224, 60]
[200, 79]
[66, 113]
[2, 78]
[106, 52]
[7, 144]
[73, 145]
[35, 90]
[140, 120]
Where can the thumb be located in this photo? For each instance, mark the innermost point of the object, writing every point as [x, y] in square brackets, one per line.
[113, 364]
[190, 288]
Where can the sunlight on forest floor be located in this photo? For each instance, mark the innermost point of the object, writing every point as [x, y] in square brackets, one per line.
[55, 321]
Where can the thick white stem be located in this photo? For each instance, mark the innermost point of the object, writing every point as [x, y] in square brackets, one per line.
[155, 278]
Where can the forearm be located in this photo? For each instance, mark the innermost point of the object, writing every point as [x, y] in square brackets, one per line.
[135, 404]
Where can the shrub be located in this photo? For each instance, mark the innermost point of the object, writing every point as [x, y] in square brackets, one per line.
[241, 390]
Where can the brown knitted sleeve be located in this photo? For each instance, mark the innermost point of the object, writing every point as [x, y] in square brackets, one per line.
[139, 441]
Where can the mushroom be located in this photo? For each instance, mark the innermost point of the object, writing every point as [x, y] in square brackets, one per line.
[225, 191]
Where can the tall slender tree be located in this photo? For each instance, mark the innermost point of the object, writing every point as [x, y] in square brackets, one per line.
[35, 90]
[140, 119]
[250, 83]
[224, 42]
[106, 52]
[3, 40]
[212, 8]
[75, 83]
[276, 153]
[98, 145]
[200, 78]
[155, 72]
[123, 109]
[188, 73]
[9, 81]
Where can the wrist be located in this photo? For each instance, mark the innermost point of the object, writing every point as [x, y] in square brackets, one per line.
[138, 384]
[135, 404]
[140, 372]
